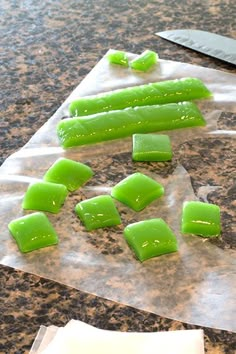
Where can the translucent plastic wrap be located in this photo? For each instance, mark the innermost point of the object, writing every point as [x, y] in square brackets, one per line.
[195, 284]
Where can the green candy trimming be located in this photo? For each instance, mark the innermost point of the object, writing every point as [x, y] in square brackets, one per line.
[118, 57]
[144, 61]
[122, 123]
[162, 92]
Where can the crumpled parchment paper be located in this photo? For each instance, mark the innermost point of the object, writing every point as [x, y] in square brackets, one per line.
[196, 284]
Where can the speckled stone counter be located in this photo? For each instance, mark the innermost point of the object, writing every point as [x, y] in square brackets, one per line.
[48, 48]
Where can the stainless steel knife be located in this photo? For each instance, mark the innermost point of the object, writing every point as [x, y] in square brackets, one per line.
[211, 44]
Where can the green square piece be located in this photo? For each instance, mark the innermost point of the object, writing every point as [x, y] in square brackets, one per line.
[45, 196]
[151, 147]
[32, 232]
[201, 219]
[137, 191]
[150, 238]
[71, 173]
[98, 212]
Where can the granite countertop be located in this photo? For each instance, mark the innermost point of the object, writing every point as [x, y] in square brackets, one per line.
[48, 48]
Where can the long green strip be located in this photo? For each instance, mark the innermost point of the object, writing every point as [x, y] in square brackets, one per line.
[117, 124]
[163, 92]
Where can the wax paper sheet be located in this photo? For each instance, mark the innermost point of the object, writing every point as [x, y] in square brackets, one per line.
[195, 284]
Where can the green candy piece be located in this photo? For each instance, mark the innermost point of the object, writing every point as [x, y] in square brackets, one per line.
[137, 191]
[45, 196]
[98, 212]
[151, 147]
[71, 173]
[118, 57]
[122, 123]
[32, 232]
[150, 238]
[144, 61]
[201, 219]
[162, 92]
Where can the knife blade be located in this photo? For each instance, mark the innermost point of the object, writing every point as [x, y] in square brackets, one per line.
[208, 43]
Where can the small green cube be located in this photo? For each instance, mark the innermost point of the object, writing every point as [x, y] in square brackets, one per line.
[118, 57]
[45, 196]
[137, 191]
[150, 238]
[201, 219]
[98, 212]
[32, 232]
[144, 61]
[151, 147]
[71, 173]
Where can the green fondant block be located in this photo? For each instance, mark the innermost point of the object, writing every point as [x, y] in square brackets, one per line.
[45, 196]
[71, 173]
[98, 212]
[150, 238]
[137, 191]
[32, 232]
[151, 147]
[201, 219]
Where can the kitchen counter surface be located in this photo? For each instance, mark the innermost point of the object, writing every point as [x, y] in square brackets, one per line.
[48, 47]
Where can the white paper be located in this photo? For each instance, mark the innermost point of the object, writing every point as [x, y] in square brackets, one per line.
[78, 337]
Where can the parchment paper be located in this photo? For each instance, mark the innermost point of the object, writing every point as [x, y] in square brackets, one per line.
[196, 284]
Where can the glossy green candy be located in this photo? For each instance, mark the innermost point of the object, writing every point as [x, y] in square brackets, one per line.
[151, 147]
[98, 212]
[137, 191]
[118, 124]
[201, 219]
[162, 92]
[150, 238]
[118, 57]
[144, 61]
[45, 196]
[71, 173]
[32, 232]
